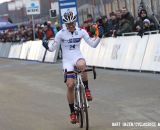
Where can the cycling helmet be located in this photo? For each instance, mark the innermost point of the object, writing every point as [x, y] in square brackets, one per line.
[69, 17]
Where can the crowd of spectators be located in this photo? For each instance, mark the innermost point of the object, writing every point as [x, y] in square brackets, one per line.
[25, 32]
[120, 21]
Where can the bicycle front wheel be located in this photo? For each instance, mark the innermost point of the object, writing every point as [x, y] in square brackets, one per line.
[81, 111]
[85, 110]
[79, 107]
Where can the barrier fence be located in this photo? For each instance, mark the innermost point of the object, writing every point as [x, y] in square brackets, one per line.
[30, 50]
[125, 52]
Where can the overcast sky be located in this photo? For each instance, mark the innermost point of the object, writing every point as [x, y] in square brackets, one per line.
[1, 1]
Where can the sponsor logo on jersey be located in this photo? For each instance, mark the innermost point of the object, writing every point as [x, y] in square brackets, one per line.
[74, 40]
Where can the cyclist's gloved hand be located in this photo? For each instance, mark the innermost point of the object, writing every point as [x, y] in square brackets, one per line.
[45, 44]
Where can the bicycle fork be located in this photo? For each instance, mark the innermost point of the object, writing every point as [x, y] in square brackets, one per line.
[80, 90]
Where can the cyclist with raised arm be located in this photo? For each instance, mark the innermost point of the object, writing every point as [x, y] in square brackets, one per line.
[70, 39]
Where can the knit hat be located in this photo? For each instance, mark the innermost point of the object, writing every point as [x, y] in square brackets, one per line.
[147, 21]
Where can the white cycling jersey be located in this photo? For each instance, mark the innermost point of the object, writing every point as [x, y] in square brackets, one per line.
[70, 43]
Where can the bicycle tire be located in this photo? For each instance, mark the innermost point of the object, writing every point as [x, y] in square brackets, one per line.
[85, 107]
[79, 110]
[81, 119]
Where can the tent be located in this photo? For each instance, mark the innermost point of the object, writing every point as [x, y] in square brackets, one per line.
[4, 24]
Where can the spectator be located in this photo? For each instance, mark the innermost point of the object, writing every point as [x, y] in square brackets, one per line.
[146, 25]
[29, 34]
[118, 14]
[142, 16]
[48, 30]
[106, 27]
[114, 22]
[123, 25]
[39, 33]
[53, 27]
[128, 16]
[23, 33]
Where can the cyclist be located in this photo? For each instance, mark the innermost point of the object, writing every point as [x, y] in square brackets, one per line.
[70, 38]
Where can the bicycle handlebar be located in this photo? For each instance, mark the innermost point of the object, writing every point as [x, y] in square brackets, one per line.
[78, 71]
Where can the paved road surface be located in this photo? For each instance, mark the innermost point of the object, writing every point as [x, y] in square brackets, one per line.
[33, 97]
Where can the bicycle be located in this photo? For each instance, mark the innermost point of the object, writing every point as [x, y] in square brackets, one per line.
[81, 104]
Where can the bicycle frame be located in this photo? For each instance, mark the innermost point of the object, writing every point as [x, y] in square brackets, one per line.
[78, 87]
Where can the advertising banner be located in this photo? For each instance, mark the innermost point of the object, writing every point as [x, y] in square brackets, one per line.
[151, 60]
[32, 7]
